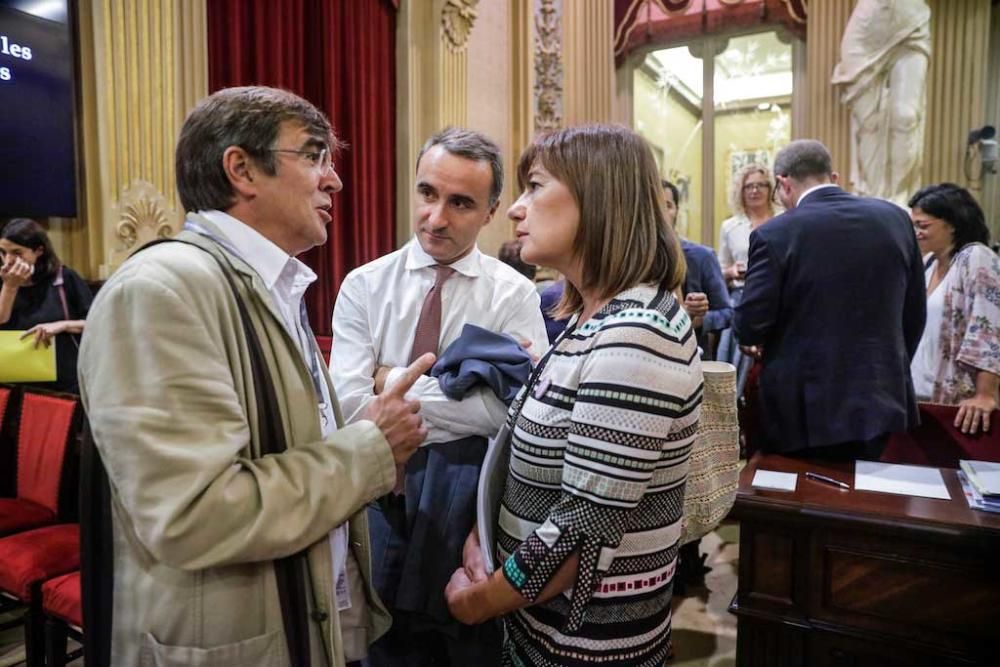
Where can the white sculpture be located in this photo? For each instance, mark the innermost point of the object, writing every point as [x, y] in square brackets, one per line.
[883, 67]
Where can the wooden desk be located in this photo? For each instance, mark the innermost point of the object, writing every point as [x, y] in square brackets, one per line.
[855, 578]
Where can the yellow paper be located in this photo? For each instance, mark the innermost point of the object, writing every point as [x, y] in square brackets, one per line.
[21, 362]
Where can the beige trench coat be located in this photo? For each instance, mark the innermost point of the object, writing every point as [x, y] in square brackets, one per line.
[199, 514]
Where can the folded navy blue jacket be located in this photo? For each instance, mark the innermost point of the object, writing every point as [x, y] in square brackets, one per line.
[482, 357]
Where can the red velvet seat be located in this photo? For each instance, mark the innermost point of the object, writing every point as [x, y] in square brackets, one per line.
[63, 610]
[4, 399]
[61, 599]
[34, 556]
[46, 423]
[27, 559]
[17, 515]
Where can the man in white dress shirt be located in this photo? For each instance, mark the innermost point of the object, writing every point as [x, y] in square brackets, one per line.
[458, 185]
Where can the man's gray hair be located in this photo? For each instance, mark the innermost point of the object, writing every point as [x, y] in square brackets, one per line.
[249, 117]
[473, 146]
[803, 158]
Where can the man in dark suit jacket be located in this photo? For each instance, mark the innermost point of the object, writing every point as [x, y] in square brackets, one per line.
[834, 305]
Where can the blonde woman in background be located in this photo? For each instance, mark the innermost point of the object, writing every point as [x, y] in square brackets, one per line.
[752, 204]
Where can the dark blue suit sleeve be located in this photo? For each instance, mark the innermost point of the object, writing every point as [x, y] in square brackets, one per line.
[915, 307]
[758, 312]
[720, 308]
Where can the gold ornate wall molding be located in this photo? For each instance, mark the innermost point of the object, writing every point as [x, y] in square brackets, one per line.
[143, 215]
[956, 86]
[457, 20]
[826, 118]
[548, 86]
[588, 61]
[143, 66]
[522, 36]
[432, 84]
[991, 182]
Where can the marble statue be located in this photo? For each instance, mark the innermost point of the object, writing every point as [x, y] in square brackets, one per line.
[883, 67]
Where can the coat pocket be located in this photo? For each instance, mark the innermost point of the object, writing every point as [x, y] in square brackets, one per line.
[267, 650]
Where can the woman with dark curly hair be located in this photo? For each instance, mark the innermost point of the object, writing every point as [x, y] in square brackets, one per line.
[958, 359]
[42, 297]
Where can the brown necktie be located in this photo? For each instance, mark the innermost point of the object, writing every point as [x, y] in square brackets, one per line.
[428, 332]
[427, 335]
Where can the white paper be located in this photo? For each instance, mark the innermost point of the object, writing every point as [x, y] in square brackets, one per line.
[771, 479]
[899, 479]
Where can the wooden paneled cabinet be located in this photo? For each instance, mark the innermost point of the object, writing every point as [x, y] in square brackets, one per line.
[831, 578]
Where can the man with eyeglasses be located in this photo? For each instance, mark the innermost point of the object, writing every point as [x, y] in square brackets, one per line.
[834, 306]
[237, 494]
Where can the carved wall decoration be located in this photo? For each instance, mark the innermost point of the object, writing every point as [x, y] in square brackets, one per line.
[548, 67]
[457, 19]
[143, 215]
[143, 66]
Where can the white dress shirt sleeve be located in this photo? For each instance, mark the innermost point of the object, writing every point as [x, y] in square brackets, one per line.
[480, 412]
[352, 356]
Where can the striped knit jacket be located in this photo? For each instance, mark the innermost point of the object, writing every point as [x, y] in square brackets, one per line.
[599, 456]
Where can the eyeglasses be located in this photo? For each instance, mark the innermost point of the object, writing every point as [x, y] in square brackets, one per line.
[754, 187]
[319, 159]
[923, 225]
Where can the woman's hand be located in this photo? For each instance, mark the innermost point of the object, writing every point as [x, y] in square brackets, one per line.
[44, 333]
[16, 273]
[472, 557]
[696, 304]
[973, 412]
[525, 344]
[458, 595]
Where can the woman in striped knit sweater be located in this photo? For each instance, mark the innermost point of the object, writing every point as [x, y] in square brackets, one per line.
[591, 513]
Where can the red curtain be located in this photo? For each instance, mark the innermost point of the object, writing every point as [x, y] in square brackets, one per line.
[339, 55]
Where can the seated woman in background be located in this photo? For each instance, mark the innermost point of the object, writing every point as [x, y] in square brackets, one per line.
[41, 296]
[602, 431]
[958, 359]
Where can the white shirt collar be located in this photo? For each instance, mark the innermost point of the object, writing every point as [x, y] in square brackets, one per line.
[814, 189]
[269, 261]
[417, 258]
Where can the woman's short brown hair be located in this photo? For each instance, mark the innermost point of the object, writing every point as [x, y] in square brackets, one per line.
[623, 239]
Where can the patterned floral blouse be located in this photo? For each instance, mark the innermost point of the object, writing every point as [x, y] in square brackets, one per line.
[970, 323]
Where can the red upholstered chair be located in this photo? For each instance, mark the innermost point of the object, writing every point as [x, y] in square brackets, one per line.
[9, 398]
[936, 442]
[48, 422]
[27, 560]
[63, 609]
[5, 393]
